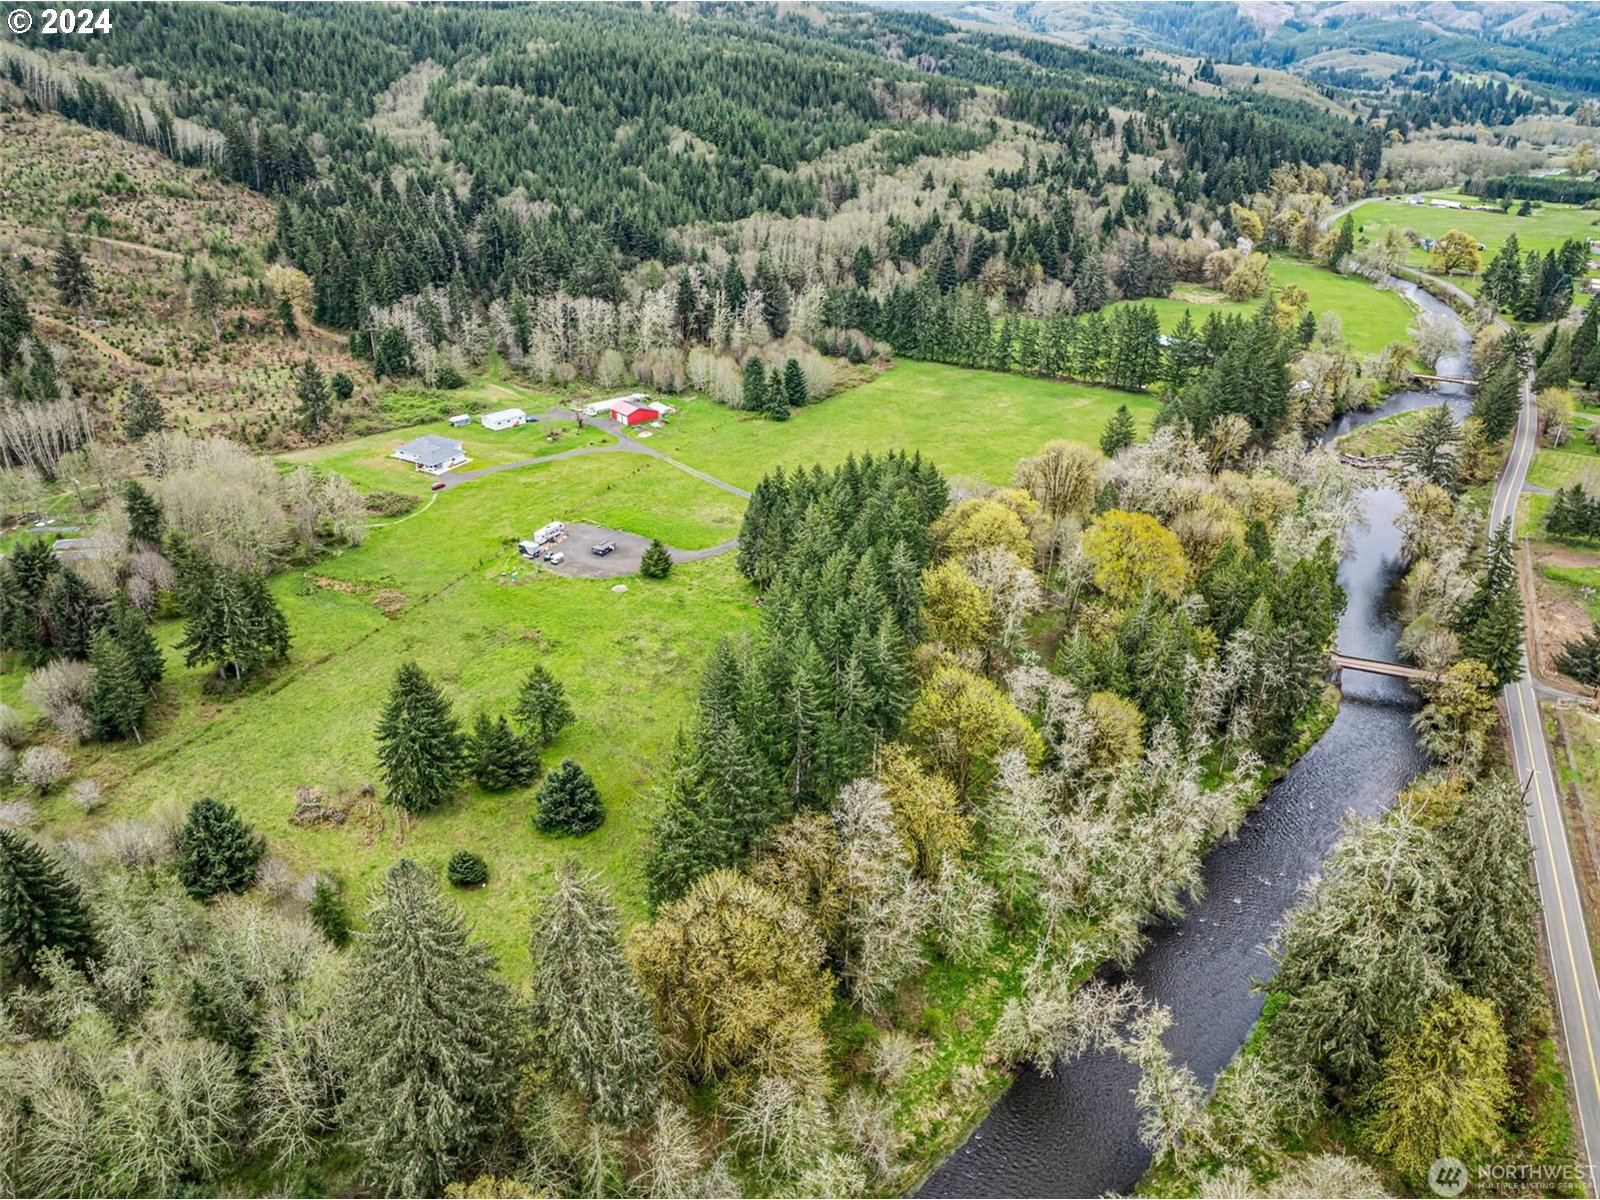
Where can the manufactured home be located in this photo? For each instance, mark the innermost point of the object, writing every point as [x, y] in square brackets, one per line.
[506, 418]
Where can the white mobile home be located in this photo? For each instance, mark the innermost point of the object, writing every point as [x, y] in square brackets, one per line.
[549, 533]
[506, 418]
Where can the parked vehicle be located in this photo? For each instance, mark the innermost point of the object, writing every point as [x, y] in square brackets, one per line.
[604, 548]
[557, 559]
[439, 486]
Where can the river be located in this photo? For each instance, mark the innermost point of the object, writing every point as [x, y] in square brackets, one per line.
[1076, 1132]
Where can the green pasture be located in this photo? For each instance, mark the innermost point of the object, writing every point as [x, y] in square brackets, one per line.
[369, 462]
[1372, 318]
[1545, 228]
[446, 588]
[970, 423]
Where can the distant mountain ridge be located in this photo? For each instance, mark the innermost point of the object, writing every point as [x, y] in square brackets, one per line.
[1551, 45]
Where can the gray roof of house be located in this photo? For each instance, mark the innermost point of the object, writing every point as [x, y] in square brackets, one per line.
[431, 448]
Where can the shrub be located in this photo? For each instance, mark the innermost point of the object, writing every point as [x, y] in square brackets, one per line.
[568, 801]
[42, 767]
[62, 690]
[467, 869]
[657, 562]
[85, 794]
[329, 914]
[13, 729]
[217, 851]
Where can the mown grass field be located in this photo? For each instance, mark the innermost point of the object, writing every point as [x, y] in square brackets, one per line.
[368, 462]
[1545, 228]
[1382, 438]
[970, 423]
[437, 588]
[1576, 460]
[1372, 318]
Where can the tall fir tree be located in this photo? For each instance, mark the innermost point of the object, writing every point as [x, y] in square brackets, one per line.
[120, 696]
[501, 759]
[1119, 433]
[591, 1021]
[146, 522]
[73, 277]
[542, 706]
[656, 562]
[427, 1040]
[142, 412]
[421, 749]
[40, 907]
[311, 393]
[1580, 658]
[753, 393]
[794, 383]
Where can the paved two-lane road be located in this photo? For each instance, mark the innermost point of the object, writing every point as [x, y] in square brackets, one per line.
[1571, 960]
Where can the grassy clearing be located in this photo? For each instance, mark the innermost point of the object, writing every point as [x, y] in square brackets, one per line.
[438, 589]
[1544, 229]
[1558, 468]
[368, 461]
[1382, 438]
[972, 423]
[1372, 318]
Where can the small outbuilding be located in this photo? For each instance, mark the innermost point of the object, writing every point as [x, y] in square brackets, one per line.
[549, 533]
[432, 453]
[626, 412]
[506, 418]
[460, 419]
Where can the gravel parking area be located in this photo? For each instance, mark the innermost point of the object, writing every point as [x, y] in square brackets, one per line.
[583, 563]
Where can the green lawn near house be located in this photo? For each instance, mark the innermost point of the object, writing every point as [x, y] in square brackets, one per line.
[1575, 461]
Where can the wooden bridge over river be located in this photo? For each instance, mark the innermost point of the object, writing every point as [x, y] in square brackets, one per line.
[1377, 666]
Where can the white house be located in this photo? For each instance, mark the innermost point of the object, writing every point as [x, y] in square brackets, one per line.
[432, 453]
[1438, 203]
[506, 418]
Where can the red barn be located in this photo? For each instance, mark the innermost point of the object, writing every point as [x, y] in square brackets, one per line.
[626, 412]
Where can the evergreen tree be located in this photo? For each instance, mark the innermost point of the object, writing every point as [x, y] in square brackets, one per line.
[1491, 620]
[231, 619]
[501, 759]
[146, 522]
[342, 386]
[73, 278]
[568, 802]
[591, 1021]
[427, 1040]
[1556, 369]
[1430, 449]
[16, 323]
[312, 393]
[1586, 337]
[1502, 279]
[777, 397]
[657, 561]
[1588, 372]
[1580, 658]
[542, 706]
[207, 298]
[466, 870]
[1499, 398]
[217, 851]
[142, 413]
[40, 907]
[72, 613]
[127, 625]
[775, 297]
[421, 749]
[291, 327]
[1344, 244]
[1119, 432]
[329, 914]
[794, 383]
[120, 695]
[753, 395]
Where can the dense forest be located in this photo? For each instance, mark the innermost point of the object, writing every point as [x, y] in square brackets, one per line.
[428, 149]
